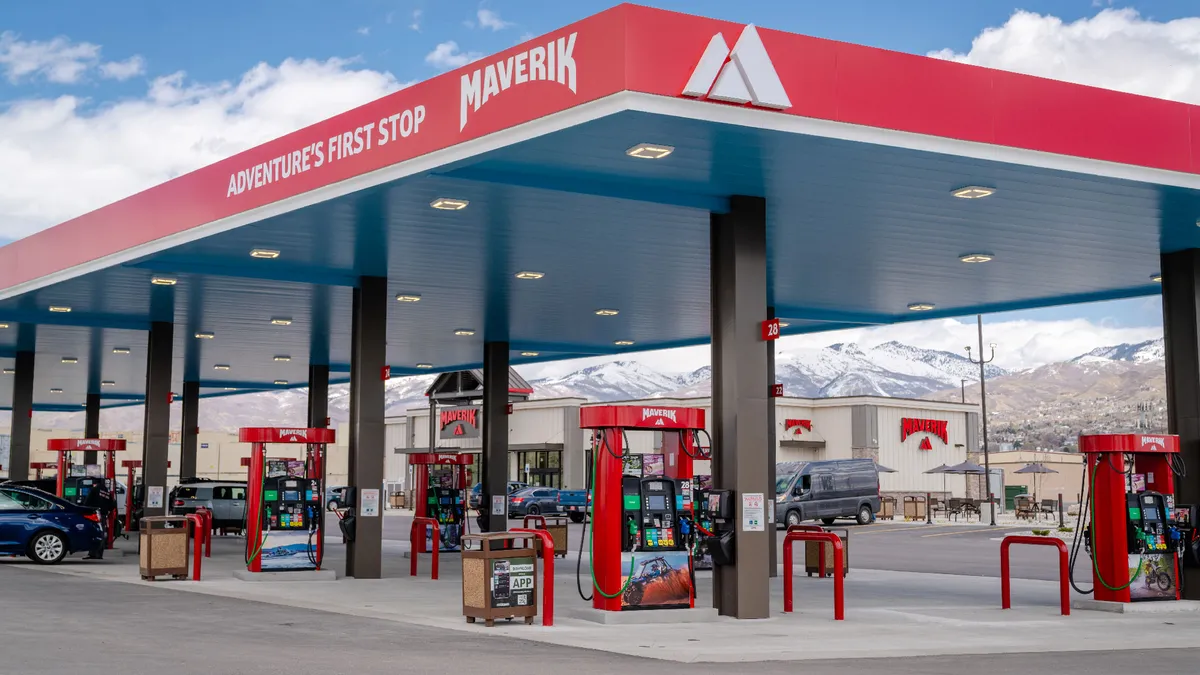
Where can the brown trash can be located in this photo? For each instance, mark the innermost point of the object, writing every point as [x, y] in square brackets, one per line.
[557, 527]
[163, 547]
[887, 509]
[499, 578]
[914, 508]
[812, 557]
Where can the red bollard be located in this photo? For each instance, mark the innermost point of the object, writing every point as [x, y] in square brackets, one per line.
[412, 536]
[839, 605]
[547, 572]
[1063, 572]
[198, 537]
[820, 545]
[208, 529]
[539, 518]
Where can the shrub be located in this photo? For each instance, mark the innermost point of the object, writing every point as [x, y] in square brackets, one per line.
[1042, 533]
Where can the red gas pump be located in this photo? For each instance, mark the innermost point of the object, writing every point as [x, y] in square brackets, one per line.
[642, 519]
[79, 493]
[1132, 534]
[285, 500]
[439, 492]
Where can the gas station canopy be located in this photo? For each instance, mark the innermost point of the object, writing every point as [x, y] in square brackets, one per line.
[514, 198]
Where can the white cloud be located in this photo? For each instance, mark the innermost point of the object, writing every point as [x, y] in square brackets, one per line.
[447, 56]
[123, 70]
[416, 20]
[58, 60]
[1116, 49]
[489, 19]
[365, 30]
[65, 156]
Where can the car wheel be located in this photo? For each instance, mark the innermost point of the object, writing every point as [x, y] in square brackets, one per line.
[333, 505]
[576, 518]
[793, 518]
[827, 521]
[47, 548]
[864, 515]
[535, 510]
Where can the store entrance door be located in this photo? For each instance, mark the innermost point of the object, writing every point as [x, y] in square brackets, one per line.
[540, 467]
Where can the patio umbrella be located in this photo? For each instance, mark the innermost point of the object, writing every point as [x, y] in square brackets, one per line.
[1035, 468]
[967, 467]
[879, 468]
[941, 468]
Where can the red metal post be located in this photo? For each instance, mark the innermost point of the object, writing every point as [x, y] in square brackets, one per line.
[839, 601]
[208, 528]
[606, 519]
[129, 501]
[538, 518]
[417, 531]
[547, 573]
[254, 500]
[1063, 571]
[199, 536]
[62, 473]
[820, 545]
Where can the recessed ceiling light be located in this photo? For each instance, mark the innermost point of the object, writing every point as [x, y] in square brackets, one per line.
[424, 366]
[530, 353]
[69, 360]
[607, 312]
[448, 204]
[973, 192]
[230, 388]
[221, 366]
[1156, 278]
[530, 275]
[265, 253]
[3, 325]
[976, 257]
[281, 383]
[205, 335]
[164, 281]
[10, 371]
[281, 321]
[650, 151]
[408, 297]
[108, 383]
[61, 309]
[784, 324]
[463, 332]
[622, 343]
[920, 306]
[56, 390]
[120, 350]
[283, 358]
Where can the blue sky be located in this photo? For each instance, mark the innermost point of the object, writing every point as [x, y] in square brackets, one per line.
[99, 73]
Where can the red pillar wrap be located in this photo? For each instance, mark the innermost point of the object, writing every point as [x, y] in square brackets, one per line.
[606, 519]
[1110, 546]
[254, 500]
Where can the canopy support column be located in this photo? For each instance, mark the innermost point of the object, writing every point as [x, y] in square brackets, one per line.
[156, 435]
[495, 434]
[191, 429]
[22, 417]
[368, 357]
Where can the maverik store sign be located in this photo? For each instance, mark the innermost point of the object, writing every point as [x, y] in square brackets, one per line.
[910, 426]
[459, 423]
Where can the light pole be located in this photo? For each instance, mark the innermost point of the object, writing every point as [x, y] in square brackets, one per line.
[963, 384]
[987, 466]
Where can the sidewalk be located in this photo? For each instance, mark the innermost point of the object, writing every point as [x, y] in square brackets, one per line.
[888, 614]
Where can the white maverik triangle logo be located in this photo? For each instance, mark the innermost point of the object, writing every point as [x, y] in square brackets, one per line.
[744, 74]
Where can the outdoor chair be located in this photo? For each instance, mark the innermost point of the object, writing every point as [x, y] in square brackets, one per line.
[1049, 507]
[1024, 507]
[972, 506]
[956, 507]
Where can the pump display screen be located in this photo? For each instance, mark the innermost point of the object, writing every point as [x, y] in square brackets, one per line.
[1150, 513]
[291, 495]
[657, 503]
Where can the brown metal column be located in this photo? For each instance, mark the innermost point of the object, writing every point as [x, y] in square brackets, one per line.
[1181, 330]
[368, 356]
[741, 397]
[91, 424]
[190, 435]
[156, 434]
[22, 417]
[318, 396]
[494, 467]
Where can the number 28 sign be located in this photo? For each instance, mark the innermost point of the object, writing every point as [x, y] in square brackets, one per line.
[770, 329]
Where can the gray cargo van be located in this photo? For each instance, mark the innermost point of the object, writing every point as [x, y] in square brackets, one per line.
[825, 490]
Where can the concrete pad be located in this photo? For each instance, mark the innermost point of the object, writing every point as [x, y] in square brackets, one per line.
[293, 575]
[643, 617]
[1158, 607]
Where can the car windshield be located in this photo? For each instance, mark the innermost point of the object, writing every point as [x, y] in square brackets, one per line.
[782, 482]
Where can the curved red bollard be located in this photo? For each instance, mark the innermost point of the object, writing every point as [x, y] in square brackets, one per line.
[199, 535]
[1063, 571]
[820, 545]
[421, 522]
[208, 529]
[839, 600]
[547, 572]
[537, 517]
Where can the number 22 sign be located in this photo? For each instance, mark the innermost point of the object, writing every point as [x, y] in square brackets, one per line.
[770, 329]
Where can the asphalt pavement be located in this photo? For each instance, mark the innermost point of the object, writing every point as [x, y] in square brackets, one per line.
[56, 624]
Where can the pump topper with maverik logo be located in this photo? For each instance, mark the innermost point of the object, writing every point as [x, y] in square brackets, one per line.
[459, 423]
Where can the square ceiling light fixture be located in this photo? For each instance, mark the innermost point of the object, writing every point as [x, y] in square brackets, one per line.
[920, 306]
[205, 335]
[56, 390]
[973, 192]
[408, 297]
[163, 281]
[10, 371]
[60, 309]
[463, 332]
[120, 350]
[424, 366]
[529, 274]
[264, 253]
[70, 360]
[449, 204]
[281, 383]
[530, 353]
[284, 358]
[623, 343]
[3, 326]
[650, 151]
[221, 366]
[281, 321]
[108, 383]
[1156, 278]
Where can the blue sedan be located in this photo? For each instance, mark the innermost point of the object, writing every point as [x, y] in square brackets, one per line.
[45, 528]
[532, 501]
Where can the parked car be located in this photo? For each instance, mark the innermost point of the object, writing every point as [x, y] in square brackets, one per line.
[826, 490]
[575, 503]
[335, 497]
[226, 501]
[474, 496]
[532, 501]
[50, 486]
[44, 528]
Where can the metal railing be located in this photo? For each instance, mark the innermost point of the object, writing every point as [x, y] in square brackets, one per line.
[547, 571]
[793, 535]
[1063, 571]
[420, 523]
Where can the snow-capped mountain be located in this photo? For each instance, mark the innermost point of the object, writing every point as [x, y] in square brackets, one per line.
[618, 380]
[1140, 352]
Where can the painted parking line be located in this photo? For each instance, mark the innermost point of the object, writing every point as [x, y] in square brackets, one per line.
[909, 528]
[974, 530]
